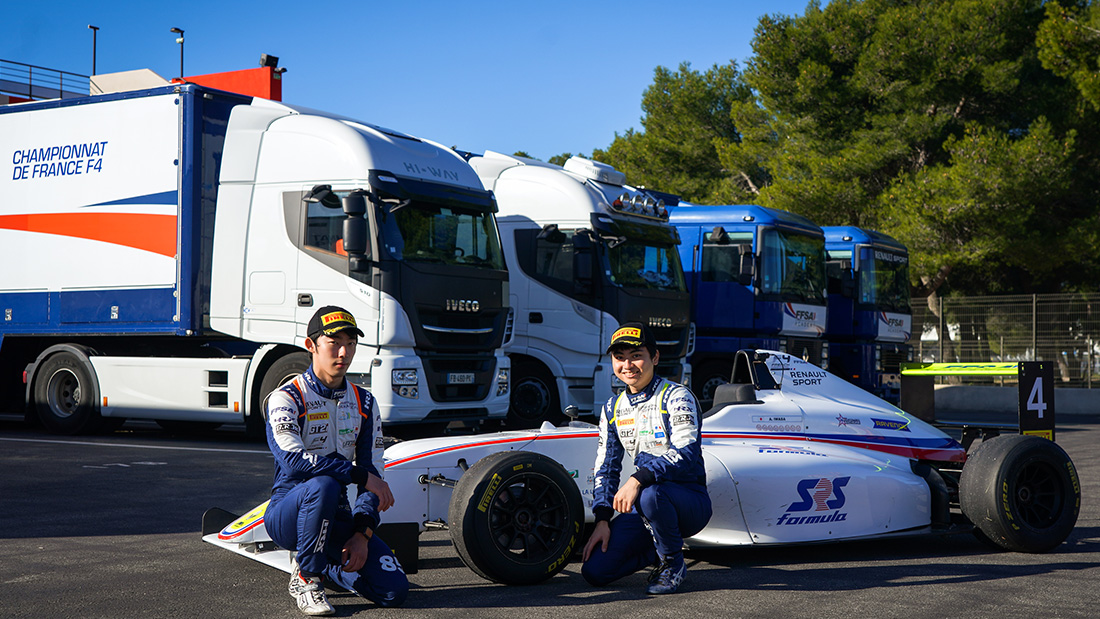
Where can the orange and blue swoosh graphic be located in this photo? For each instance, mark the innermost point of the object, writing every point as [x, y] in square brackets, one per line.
[145, 231]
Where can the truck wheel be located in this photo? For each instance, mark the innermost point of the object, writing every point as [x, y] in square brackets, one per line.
[707, 378]
[284, 369]
[534, 397]
[65, 395]
[1021, 492]
[516, 517]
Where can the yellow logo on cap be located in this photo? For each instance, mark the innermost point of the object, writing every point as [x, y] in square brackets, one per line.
[633, 332]
[337, 316]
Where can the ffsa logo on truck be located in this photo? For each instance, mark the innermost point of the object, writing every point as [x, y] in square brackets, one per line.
[656, 321]
[462, 305]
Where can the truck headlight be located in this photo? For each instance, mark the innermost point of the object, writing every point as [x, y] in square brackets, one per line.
[404, 382]
[502, 380]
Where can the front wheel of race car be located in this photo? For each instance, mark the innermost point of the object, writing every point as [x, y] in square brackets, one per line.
[516, 517]
[1020, 492]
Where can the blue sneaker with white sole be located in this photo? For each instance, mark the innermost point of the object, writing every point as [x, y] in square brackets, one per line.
[668, 575]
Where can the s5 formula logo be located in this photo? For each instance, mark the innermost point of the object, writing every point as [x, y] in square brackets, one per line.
[817, 495]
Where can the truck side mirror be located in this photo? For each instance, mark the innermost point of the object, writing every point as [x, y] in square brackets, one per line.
[719, 236]
[848, 283]
[583, 262]
[355, 203]
[747, 268]
[355, 238]
[551, 234]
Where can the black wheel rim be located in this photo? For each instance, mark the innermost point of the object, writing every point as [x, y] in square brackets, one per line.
[530, 399]
[710, 386]
[63, 393]
[528, 518]
[1038, 495]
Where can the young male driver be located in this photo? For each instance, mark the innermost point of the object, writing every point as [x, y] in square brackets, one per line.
[325, 433]
[656, 421]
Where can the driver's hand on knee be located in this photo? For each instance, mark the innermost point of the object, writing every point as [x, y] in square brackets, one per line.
[601, 535]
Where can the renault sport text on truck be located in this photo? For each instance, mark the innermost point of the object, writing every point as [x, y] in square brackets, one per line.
[165, 248]
[585, 253]
[870, 318]
[757, 280]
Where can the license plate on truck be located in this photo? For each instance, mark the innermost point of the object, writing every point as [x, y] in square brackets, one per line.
[460, 378]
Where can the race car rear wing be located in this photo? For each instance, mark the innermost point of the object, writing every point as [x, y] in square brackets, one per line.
[1035, 411]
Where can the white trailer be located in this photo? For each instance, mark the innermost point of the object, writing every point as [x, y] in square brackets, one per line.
[164, 250]
[585, 253]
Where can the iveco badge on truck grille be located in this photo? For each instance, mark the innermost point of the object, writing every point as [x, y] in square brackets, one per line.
[462, 305]
[659, 322]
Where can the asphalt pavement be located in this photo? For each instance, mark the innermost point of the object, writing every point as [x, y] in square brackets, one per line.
[109, 526]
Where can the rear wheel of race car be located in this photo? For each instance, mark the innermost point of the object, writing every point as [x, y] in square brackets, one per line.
[1021, 492]
[65, 394]
[516, 517]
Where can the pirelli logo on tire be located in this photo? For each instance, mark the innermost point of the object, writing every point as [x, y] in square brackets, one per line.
[490, 490]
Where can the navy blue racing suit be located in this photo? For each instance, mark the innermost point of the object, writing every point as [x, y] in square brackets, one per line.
[660, 428]
[324, 439]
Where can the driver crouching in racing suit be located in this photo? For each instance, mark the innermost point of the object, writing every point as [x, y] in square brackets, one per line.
[325, 433]
[656, 422]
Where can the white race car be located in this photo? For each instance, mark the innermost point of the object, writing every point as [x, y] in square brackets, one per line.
[793, 454]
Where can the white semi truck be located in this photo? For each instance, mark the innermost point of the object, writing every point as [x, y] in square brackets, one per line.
[585, 253]
[164, 249]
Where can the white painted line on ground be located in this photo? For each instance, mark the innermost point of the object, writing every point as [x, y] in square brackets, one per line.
[136, 446]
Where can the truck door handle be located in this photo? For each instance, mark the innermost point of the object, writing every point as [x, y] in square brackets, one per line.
[536, 318]
[305, 299]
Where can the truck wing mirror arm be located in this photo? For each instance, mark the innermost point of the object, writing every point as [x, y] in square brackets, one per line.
[746, 269]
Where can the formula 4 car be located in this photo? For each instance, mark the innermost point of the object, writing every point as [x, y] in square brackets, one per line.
[793, 455]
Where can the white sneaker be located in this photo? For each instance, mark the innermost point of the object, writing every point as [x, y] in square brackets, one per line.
[309, 593]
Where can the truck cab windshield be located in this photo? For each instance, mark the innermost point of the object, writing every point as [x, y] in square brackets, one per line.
[793, 266]
[424, 232]
[884, 279]
[638, 264]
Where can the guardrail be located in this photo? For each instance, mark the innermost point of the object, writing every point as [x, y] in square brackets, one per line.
[35, 83]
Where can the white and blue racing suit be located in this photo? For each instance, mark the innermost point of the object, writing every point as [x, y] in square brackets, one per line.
[659, 427]
[324, 439]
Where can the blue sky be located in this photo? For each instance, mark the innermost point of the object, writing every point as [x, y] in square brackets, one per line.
[544, 77]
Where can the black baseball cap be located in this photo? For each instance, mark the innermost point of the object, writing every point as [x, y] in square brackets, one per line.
[633, 335]
[330, 320]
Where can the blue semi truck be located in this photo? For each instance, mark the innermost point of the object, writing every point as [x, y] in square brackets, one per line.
[870, 318]
[757, 280]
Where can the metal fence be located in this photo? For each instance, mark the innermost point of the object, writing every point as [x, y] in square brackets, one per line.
[30, 82]
[1064, 328]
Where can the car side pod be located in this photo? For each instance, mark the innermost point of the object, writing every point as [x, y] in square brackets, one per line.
[1021, 493]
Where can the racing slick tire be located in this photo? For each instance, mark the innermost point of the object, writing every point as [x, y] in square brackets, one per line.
[1021, 492]
[534, 397]
[516, 517]
[65, 394]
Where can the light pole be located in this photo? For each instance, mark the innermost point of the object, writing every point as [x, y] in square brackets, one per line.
[95, 31]
[180, 41]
